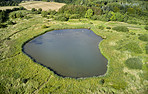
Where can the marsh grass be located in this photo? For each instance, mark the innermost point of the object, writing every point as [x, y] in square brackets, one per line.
[19, 74]
[134, 63]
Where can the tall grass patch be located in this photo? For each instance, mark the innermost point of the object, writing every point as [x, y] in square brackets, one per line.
[132, 47]
[133, 63]
[121, 29]
[144, 37]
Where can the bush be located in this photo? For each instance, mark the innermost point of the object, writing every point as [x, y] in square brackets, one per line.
[133, 63]
[95, 17]
[121, 29]
[61, 18]
[146, 27]
[44, 13]
[101, 27]
[2, 25]
[143, 37]
[11, 23]
[75, 16]
[44, 26]
[108, 27]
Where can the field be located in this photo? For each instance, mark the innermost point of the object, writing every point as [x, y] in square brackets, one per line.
[8, 7]
[37, 4]
[19, 74]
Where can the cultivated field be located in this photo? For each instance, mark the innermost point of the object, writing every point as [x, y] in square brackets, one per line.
[37, 4]
[43, 5]
[8, 7]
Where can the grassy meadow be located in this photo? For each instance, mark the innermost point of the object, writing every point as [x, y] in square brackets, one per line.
[20, 75]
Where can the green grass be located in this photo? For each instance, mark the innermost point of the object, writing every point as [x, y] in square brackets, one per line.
[144, 37]
[121, 29]
[19, 74]
[134, 63]
[131, 46]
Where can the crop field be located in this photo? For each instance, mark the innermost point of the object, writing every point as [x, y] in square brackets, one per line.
[37, 4]
[19, 74]
[8, 7]
[44, 5]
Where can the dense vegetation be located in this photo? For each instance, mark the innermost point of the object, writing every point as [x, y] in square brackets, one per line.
[134, 63]
[124, 45]
[9, 2]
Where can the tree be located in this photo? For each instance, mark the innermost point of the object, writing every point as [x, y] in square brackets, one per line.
[89, 13]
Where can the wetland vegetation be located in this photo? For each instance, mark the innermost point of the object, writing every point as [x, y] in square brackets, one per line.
[125, 49]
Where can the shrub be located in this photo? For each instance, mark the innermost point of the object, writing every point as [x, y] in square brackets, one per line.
[146, 27]
[121, 29]
[143, 37]
[75, 16]
[108, 27]
[101, 27]
[2, 25]
[133, 63]
[89, 13]
[44, 26]
[11, 23]
[33, 9]
[44, 13]
[61, 18]
[95, 17]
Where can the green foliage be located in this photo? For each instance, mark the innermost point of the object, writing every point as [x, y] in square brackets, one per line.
[101, 27]
[75, 16]
[133, 47]
[89, 13]
[11, 23]
[9, 2]
[73, 9]
[16, 15]
[131, 11]
[108, 27]
[146, 27]
[39, 11]
[44, 13]
[44, 26]
[133, 63]
[144, 37]
[121, 29]
[116, 9]
[51, 12]
[33, 10]
[95, 17]
[2, 25]
[61, 18]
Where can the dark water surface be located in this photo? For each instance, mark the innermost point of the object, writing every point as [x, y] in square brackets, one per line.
[69, 52]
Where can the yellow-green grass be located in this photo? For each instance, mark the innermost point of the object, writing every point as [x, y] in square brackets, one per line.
[18, 73]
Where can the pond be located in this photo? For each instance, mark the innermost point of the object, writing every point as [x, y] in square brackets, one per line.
[69, 52]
